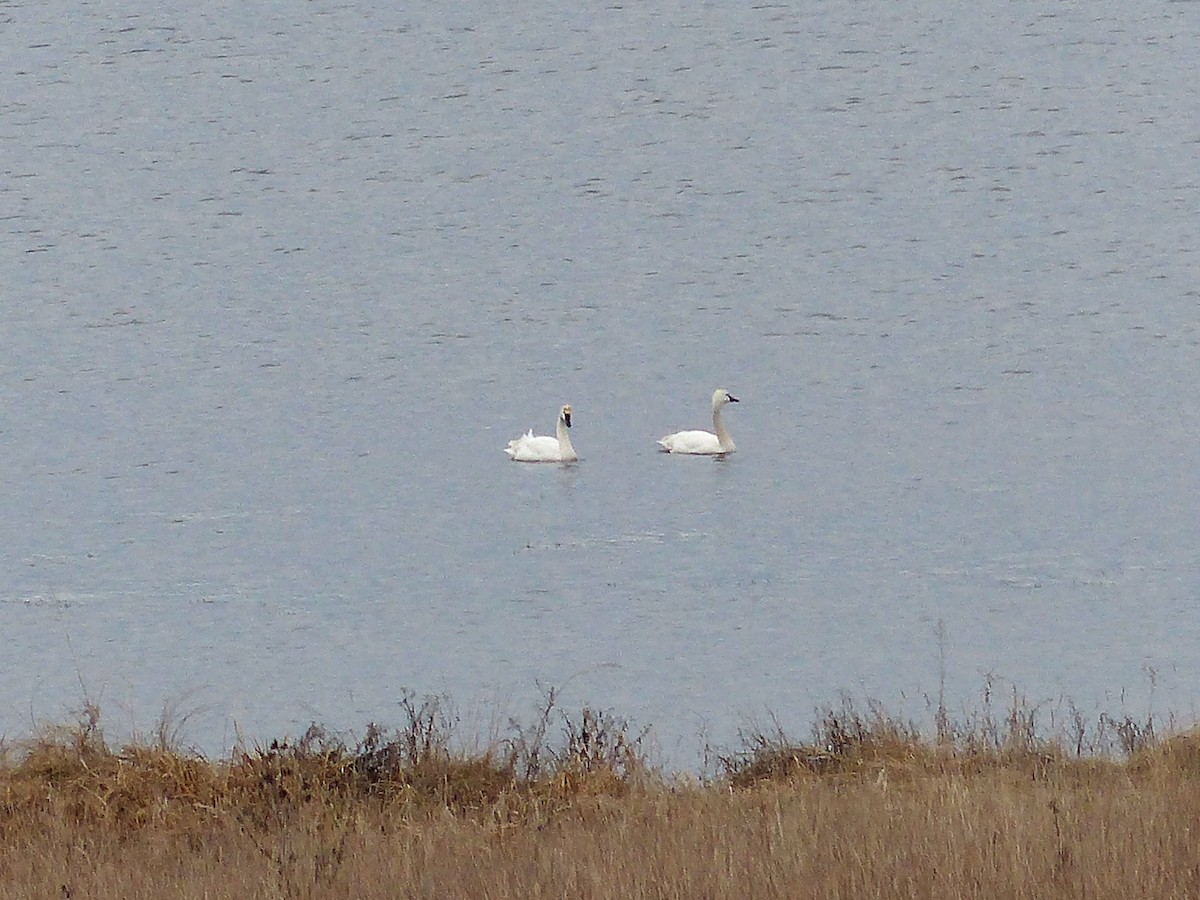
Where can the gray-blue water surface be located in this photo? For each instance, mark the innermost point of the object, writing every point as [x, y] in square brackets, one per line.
[281, 280]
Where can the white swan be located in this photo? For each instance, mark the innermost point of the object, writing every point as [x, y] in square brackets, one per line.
[531, 448]
[704, 442]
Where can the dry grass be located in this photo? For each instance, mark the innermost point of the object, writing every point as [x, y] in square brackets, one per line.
[568, 806]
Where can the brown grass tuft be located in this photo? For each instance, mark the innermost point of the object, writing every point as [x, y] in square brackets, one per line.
[568, 806]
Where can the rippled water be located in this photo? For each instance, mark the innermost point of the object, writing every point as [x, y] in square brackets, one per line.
[283, 280]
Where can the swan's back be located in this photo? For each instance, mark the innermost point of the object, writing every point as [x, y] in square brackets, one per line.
[700, 442]
[532, 448]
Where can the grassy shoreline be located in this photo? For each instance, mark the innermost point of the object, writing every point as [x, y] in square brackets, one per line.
[569, 805]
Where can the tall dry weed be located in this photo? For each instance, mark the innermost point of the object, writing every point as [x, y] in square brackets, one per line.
[1001, 805]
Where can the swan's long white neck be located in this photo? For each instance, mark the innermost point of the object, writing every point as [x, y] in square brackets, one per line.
[723, 437]
[566, 451]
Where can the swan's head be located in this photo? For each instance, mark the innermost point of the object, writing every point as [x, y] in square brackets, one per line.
[565, 415]
[721, 397]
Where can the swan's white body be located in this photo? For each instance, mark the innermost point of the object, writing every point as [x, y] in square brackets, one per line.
[540, 448]
[704, 442]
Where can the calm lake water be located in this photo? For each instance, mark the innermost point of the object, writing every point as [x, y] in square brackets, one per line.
[282, 280]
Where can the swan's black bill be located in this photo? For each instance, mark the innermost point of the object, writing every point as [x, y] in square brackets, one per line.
[567, 419]
[733, 399]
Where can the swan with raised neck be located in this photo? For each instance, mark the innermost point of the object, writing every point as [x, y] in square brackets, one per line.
[541, 448]
[704, 442]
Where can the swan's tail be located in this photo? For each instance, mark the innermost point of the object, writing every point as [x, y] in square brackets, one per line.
[511, 449]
